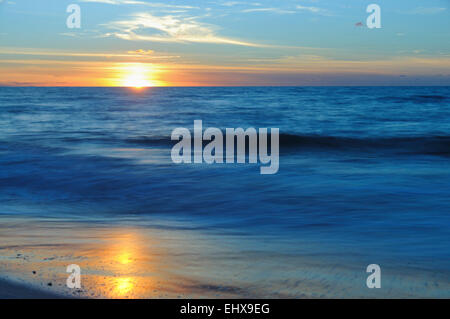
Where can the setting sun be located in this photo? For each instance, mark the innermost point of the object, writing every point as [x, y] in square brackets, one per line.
[134, 75]
[136, 82]
[137, 76]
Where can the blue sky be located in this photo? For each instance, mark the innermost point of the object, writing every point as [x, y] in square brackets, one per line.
[287, 42]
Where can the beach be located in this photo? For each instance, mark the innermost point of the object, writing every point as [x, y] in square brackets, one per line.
[160, 261]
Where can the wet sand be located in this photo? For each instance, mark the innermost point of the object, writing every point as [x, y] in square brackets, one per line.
[152, 259]
[116, 261]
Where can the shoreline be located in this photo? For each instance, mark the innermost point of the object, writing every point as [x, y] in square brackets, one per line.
[148, 262]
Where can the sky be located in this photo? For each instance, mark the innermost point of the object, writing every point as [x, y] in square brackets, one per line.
[224, 43]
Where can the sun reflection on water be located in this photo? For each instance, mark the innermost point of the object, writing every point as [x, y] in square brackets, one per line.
[116, 261]
[123, 286]
[125, 260]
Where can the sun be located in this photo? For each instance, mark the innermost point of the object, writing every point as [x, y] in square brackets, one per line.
[134, 75]
[136, 82]
[137, 76]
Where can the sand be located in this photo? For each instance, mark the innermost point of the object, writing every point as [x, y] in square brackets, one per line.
[149, 259]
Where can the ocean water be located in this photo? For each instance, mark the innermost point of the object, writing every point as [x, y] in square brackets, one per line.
[364, 172]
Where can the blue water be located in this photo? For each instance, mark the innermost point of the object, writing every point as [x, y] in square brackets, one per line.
[364, 172]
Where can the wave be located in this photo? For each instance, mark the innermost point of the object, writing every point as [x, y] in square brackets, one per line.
[427, 145]
[436, 145]
[415, 99]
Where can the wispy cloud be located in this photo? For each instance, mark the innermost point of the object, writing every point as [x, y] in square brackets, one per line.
[315, 10]
[273, 10]
[169, 28]
[425, 10]
[141, 3]
[140, 53]
[238, 3]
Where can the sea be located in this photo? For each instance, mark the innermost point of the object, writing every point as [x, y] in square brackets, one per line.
[364, 174]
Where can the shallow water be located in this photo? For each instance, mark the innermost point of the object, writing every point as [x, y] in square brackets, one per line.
[364, 178]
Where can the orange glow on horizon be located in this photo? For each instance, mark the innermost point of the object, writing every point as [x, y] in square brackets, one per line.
[138, 75]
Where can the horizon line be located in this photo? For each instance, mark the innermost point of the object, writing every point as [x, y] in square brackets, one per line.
[217, 86]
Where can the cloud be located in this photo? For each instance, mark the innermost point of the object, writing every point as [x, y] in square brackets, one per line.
[142, 3]
[238, 3]
[141, 52]
[315, 10]
[429, 10]
[169, 28]
[274, 10]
